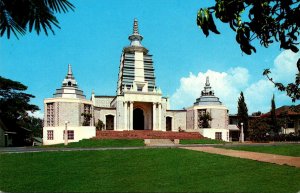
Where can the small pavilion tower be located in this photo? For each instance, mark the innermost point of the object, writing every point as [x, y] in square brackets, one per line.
[207, 96]
[69, 88]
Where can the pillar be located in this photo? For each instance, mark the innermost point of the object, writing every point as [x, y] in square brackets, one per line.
[131, 115]
[159, 116]
[154, 117]
[195, 124]
[125, 115]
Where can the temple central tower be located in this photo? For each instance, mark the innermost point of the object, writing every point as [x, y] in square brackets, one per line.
[136, 72]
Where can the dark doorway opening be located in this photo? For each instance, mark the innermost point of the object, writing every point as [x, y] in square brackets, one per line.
[138, 119]
[168, 123]
[109, 122]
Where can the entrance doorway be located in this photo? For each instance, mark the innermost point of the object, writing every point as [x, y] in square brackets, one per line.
[168, 123]
[109, 122]
[138, 119]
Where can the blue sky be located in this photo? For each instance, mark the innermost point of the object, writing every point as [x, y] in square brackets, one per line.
[92, 38]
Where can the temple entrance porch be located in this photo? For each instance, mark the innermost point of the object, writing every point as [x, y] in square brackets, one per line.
[142, 116]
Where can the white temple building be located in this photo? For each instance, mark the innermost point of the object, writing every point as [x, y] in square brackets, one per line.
[137, 105]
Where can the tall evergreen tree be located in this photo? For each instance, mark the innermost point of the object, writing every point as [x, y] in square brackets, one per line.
[274, 125]
[14, 107]
[243, 113]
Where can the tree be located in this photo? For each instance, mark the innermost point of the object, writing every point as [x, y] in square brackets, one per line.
[87, 119]
[35, 125]
[274, 125]
[259, 129]
[258, 113]
[204, 120]
[268, 21]
[243, 113]
[100, 125]
[18, 15]
[14, 104]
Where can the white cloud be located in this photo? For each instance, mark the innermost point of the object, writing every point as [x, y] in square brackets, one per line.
[228, 85]
[225, 84]
[285, 68]
[37, 114]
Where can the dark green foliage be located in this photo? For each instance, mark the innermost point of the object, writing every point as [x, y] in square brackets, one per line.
[243, 114]
[145, 170]
[19, 15]
[100, 125]
[268, 21]
[86, 119]
[259, 129]
[35, 125]
[14, 104]
[265, 20]
[274, 126]
[204, 120]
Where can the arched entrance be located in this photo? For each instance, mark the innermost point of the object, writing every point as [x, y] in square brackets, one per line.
[109, 122]
[168, 123]
[138, 119]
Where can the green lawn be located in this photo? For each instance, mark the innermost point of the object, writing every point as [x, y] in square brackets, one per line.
[285, 149]
[201, 141]
[144, 170]
[102, 143]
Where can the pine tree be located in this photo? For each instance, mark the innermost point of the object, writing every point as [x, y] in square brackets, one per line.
[274, 125]
[243, 114]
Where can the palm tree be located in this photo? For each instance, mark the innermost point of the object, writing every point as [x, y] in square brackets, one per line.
[18, 15]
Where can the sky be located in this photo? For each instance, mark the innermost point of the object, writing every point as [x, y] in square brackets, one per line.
[92, 37]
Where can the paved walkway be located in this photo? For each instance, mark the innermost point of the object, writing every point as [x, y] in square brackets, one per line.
[263, 157]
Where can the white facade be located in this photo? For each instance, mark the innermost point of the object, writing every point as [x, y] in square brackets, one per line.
[137, 105]
[79, 133]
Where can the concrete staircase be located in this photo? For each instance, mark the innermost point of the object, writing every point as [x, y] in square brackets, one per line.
[147, 134]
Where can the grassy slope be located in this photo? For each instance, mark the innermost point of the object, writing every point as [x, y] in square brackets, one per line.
[289, 150]
[103, 143]
[201, 141]
[151, 170]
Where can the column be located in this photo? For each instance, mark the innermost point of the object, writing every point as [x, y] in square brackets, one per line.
[125, 115]
[131, 115]
[195, 124]
[159, 116]
[154, 117]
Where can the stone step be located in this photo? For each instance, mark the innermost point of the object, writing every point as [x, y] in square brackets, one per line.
[147, 135]
[159, 142]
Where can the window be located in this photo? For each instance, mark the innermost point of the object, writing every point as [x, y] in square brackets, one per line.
[218, 135]
[49, 134]
[50, 114]
[70, 134]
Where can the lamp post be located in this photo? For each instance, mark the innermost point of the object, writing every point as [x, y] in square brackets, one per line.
[242, 133]
[66, 132]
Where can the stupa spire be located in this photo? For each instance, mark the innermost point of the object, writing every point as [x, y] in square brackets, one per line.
[135, 26]
[135, 37]
[70, 69]
[207, 81]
